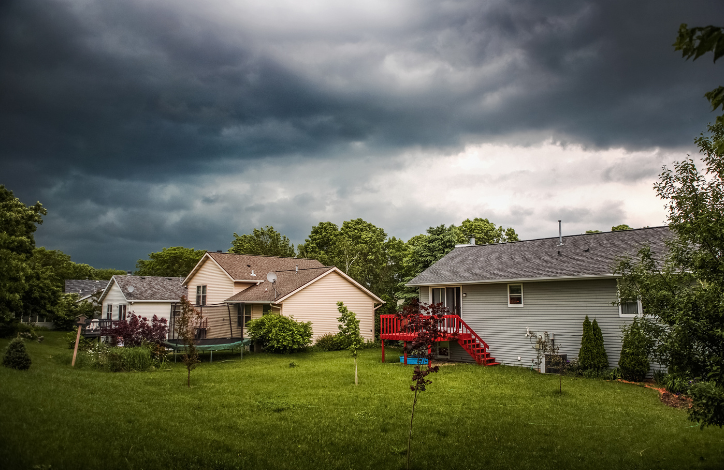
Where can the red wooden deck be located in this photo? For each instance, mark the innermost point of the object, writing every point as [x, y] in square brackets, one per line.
[452, 327]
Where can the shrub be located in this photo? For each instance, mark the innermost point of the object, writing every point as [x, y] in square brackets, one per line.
[600, 358]
[634, 361]
[16, 357]
[137, 331]
[673, 383]
[592, 355]
[330, 342]
[117, 359]
[280, 334]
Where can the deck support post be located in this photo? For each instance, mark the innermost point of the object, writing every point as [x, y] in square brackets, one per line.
[383, 350]
[405, 350]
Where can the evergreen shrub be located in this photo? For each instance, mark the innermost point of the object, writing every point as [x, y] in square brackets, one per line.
[600, 358]
[592, 357]
[634, 361]
[16, 357]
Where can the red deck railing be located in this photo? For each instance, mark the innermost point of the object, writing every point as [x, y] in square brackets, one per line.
[451, 328]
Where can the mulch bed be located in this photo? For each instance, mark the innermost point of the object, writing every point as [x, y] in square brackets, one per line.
[667, 398]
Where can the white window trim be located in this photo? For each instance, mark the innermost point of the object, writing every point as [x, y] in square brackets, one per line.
[522, 296]
[628, 315]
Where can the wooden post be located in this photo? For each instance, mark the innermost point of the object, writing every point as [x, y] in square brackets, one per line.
[405, 352]
[81, 322]
[383, 350]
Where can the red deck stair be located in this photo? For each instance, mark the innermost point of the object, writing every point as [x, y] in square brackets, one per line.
[453, 328]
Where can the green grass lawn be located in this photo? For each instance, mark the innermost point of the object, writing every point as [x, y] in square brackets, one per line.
[260, 413]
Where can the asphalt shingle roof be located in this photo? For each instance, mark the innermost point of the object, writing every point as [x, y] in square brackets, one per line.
[151, 287]
[286, 283]
[581, 255]
[84, 287]
[240, 267]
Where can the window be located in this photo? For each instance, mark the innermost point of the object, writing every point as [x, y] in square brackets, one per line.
[243, 315]
[122, 312]
[515, 295]
[629, 309]
[200, 295]
[448, 296]
[109, 311]
[266, 309]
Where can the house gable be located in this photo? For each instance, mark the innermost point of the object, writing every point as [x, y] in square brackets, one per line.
[317, 302]
[219, 285]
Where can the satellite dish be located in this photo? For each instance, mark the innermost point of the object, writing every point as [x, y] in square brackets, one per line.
[271, 277]
[131, 289]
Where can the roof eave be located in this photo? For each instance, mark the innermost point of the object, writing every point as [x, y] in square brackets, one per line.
[529, 279]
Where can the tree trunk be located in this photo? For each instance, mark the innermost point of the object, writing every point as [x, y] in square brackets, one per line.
[409, 438]
[355, 371]
[188, 380]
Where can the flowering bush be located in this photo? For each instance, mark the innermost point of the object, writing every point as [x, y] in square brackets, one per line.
[137, 331]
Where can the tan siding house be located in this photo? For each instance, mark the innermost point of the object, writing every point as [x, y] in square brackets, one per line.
[301, 288]
[318, 303]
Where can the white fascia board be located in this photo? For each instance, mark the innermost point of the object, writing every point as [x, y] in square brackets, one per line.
[136, 301]
[532, 279]
[251, 302]
[338, 271]
[251, 281]
[198, 266]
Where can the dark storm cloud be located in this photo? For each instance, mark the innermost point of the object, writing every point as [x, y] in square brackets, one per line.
[103, 104]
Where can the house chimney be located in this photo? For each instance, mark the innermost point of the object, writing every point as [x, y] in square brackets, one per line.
[296, 268]
[128, 273]
[560, 234]
[218, 251]
[472, 240]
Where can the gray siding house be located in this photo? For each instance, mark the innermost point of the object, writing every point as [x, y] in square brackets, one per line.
[503, 290]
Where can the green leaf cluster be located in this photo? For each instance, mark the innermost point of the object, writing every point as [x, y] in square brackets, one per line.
[262, 241]
[697, 41]
[280, 334]
[175, 261]
[16, 356]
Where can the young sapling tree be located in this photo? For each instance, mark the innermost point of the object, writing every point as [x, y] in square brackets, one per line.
[186, 323]
[424, 322]
[349, 330]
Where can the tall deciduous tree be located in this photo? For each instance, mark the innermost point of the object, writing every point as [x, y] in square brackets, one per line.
[175, 261]
[18, 223]
[485, 232]
[685, 289]
[620, 228]
[262, 241]
[63, 268]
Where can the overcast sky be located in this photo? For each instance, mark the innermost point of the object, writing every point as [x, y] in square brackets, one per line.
[147, 124]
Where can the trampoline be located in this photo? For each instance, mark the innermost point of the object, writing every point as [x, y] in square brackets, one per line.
[210, 344]
[220, 327]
